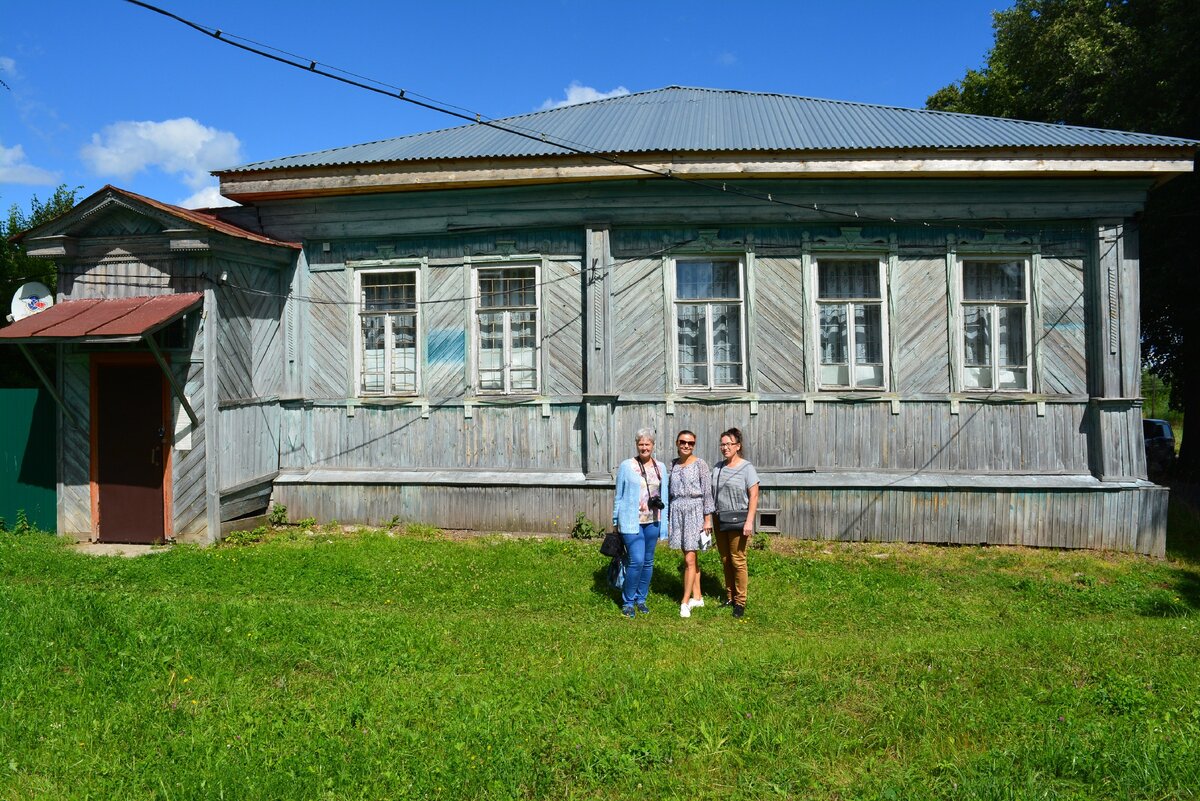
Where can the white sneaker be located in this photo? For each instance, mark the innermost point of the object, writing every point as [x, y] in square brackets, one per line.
[696, 602]
[685, 610]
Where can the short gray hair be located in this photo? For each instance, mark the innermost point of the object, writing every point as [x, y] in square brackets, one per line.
[643, 433]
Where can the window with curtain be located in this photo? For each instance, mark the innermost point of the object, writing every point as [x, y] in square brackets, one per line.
[708, 324]
[387, 332]
[850, 321]
[507, 330]
[995, 325]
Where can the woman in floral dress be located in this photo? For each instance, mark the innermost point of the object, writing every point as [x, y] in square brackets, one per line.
[690, 526]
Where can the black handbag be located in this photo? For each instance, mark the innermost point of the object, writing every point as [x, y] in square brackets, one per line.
[730, 519]
[613, 544]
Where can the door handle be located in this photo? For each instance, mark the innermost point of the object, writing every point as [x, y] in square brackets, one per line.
[154, 455]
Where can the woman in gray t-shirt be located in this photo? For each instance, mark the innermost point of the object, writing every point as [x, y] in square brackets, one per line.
[735, 489]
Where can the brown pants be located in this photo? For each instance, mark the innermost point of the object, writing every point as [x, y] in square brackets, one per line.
[732, 547]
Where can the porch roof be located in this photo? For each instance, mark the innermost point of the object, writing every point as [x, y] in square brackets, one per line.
[98, 320]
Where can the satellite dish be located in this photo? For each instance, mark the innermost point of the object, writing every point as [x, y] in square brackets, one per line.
[30, 299]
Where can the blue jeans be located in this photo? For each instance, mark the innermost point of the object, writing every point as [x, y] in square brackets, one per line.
[639, 563]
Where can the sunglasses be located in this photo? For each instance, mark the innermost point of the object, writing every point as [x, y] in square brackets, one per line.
[688, 442]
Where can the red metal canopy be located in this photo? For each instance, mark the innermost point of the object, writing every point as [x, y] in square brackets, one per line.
[101, 319]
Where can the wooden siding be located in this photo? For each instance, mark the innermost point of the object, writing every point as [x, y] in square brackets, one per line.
[74, 488]
[445, 318]
[562, 328]
[983, 438]
[779, 317]
[639, 327]
[544, 509]
[1122, 446]
[497, 437]
[1063, 345]
[135, 268]
[1097, 519]
[249, 446]
[189, 503]
[920, 326]
[329, 334]
[249, 310]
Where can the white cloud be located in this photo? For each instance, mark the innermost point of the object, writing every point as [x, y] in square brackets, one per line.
[181, 146]
[209, 197]
[577, 93]
[727, 59]
[15, 169]
[8, 66]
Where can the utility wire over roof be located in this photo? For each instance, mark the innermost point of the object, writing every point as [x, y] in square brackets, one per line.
[682, 119]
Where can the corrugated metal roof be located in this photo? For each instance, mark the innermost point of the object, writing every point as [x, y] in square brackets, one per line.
[100, 319]
[679, 119]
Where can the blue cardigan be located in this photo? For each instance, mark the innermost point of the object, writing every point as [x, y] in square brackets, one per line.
[629, 496]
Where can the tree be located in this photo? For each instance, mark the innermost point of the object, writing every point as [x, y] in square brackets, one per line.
[16, 268]
[1129, 65]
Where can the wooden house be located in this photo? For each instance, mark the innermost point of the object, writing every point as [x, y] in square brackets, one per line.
[925, 323]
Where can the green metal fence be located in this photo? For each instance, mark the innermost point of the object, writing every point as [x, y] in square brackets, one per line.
[27, 454]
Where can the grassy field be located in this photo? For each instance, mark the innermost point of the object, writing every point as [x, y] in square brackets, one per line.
[381, 665]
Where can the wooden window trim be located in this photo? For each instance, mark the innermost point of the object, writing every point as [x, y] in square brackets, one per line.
[403, 267]
[884, 303]
[476, 335]
[671, 265]
[1028, 262]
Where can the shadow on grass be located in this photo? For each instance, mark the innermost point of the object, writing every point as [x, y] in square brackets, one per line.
[667, 579]
[1183, 522]
[1182, 597]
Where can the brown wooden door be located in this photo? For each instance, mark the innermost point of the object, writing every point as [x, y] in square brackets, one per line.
[129, 455]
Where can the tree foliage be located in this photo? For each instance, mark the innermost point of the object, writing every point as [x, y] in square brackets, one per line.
[16, 267]
[1122, 64]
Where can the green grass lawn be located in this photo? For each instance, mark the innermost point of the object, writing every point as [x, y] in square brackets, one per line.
[380, 666]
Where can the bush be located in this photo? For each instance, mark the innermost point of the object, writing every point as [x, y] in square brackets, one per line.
[246, 537]
[585, 529]
[278, 515]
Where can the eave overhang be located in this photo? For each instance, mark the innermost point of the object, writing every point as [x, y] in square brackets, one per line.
[1155, 163]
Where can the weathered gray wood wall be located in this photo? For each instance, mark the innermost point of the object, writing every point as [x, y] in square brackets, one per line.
[140, 265]
[606, 347]
[242, 376]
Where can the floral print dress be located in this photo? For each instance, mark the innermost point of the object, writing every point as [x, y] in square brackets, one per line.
[691, 500]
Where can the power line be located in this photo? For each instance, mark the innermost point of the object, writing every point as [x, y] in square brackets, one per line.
[388, 90]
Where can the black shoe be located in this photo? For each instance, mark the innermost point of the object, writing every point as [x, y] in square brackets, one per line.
[726, 603]
[628, 611]
[642, 609]
[738, 610]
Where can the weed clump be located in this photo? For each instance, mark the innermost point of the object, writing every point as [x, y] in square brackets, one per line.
[585, 529]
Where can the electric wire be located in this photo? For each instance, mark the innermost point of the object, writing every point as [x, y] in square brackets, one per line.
[389, 90]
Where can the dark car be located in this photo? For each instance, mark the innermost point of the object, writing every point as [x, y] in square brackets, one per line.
[1160, 445]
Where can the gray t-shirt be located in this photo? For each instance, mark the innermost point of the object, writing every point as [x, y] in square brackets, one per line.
[731, 485]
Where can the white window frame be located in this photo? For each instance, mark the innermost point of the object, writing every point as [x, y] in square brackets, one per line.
[740, 260]
[476, 335]
[360, 312]
[849, 303]
[993, 316]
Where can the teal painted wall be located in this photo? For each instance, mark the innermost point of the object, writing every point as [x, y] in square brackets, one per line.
[27, 453]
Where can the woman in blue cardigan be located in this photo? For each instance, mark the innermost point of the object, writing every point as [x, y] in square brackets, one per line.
[640, 513]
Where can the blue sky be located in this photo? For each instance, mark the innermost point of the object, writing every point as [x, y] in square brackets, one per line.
[101, 91]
